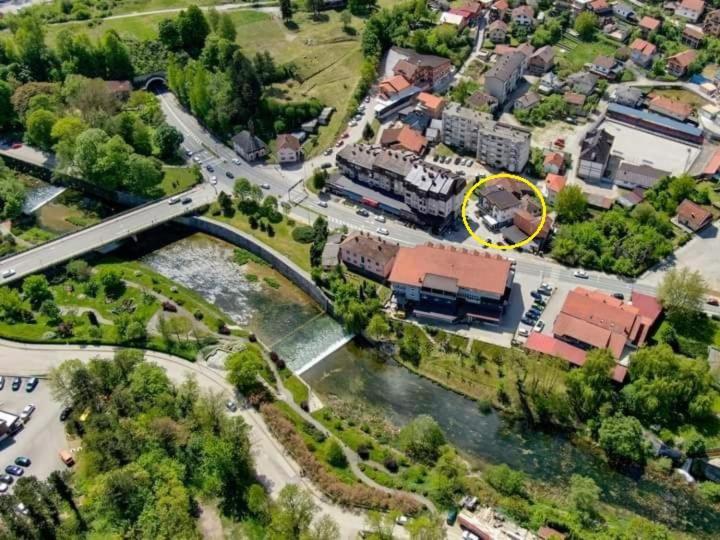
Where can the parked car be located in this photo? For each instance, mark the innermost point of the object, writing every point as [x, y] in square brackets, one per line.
[23, 461]
[188, 152]
[451, 516]
[327, 152]
[27, 412]
[173, 200]
[540, 302]
[536, 295]
[229, 175]
[534, 313]
[197, 159]
[213, 180]
[20, 508]
[326, 166]
[65, 413]
[3, 487]
[353, 123]
[582, 274]
[322, 204]
[2, 382]
[231, 405]
[619, 295]
[265, 185]
[236, 161]
[14, 470]
[362, 212]
[401, 520]
[16, 145]
[6, 478]
[381, 219]
[712, 301]
[527, 321]
[539, 326]
[539, 307]
[17, 382]
[523, 332]
[31, 384]
[210, 168]
[339, 143]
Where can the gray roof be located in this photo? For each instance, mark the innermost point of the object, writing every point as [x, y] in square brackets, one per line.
[626, 93]
[506, 66]
[248, 142]
[501, 198]
[546, 53]
[596, 146]
[528, 100]
[641, 175]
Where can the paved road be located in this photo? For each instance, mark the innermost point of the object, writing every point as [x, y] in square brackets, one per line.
[276, 469]
[106, 232]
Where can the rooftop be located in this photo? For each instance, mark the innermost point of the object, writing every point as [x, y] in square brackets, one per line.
[673, 106]
[286, 140]
[693, 213]
[649, 23]
[684, 58]
[506, 66]
[693, 5]
[370, 246]
[655, 119]
[555, 182]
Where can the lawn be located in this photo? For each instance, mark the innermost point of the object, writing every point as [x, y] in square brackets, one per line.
[282, 241]
[297, 388]
[578, 53]
[681, 95]
[179, 179]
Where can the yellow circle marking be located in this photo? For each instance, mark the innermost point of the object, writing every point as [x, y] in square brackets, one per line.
[514, 177]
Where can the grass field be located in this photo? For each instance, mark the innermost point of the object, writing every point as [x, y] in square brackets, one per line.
[681, 95]
[178, 179]
[574, 54]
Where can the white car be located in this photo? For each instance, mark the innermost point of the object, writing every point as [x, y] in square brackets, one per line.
[3, 487]
[380, 219]
[383, 231]
[322, 204]
[523, 332]
[213, 180]
[27, 412]
[9, 272]
[236, 161]
[367, 99]
[265, 185]
[582, 274]
[353, 123]
[539, 326]
[401, 520]
[197, 159]
[327, 152]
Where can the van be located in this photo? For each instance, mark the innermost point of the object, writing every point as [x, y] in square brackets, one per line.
[66, 458]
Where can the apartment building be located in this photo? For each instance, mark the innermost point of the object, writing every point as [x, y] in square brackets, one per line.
[369, 255]
[498, 145]
[400, 183]
[502, 79]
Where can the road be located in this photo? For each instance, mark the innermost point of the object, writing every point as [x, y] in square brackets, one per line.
[276, 469]
[118, 227]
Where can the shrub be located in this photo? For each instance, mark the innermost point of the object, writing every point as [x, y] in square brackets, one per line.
[303, 234]
[363, 450]
[335, 455]
[710, 491]
[274, 357]
[391, 464]
[281, 363]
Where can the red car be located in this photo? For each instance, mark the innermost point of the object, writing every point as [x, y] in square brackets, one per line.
[16, 145]
[713, 301]
[346, 135]
[339, 143]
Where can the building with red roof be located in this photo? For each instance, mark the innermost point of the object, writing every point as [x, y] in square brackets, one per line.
[693, 216]
[554, 183]
[393, 85]
[450, 283]
[404, 138]
[649, 24]
[642, 52]
[713, 165]
[671, 108]
[554, 163]
[691, 10]
[431, 104]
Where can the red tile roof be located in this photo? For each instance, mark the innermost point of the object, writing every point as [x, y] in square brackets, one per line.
[672, 106]
[471, 269]
[525, 10]
[693, 5]
[574, 99]
[599, 5]
[555, 182]
[693, 31]
[405, 138]
[644, 47]
[394, 84]
[286, 140]
[694, 215]
[554, 158]
[431, 101]
[684, 58]
[649, 23]
[713, 165]
[501, 5]
[649, 306]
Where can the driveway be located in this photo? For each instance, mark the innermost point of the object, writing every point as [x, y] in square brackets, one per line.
[274, 467]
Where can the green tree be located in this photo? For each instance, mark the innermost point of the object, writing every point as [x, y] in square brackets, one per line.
[64, 133]
[286, 10]
[12, 194]
[167, 141]
[293, 514]
[193, 29]
[590, 386]
[378, 328]
[368, 132]
[682, 292]
[36, 290]
[381, 525]
[7, 112]
[78, 269]
[570, 204]
[422, 438]
[346, 18]
[324, 528]
[585, 25]
[117, 59]
[143, 174]
[258, 503]
[505, 480]
[426, 527]
[226, 28]
[38, 128]
[622, 439]
[244, 367]
[584, 497]
[113, 283]
[169, 34]
[334, 455]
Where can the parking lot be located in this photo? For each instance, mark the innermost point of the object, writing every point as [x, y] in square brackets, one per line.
[42, 436]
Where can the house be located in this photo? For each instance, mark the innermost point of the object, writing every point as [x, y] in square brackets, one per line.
[692, 35]
[499, 9]
[404, 138]
[592, 319]
[624, 11]
[455, 18]
[597, 201]
[415, 117]
[523, 15]
[392, 86]
[606, 67]
[500, 200]
[594, 155]
[693, 216]
[712, 167]
[325, 115]
[425, 71]
[474, 11]
[541, 61]
[554, 163]
[582, 82]
[629, 96]
[248, 146]
[526, 101]
[600, 7]
[368, 255]
[711, 24]
[630, 199]
[502, 79]
[431, 104]
[451, 284]
[617, 32]
[575, 103]
[642, 52]
[288, 148]
[554, 183]
[119, 89]
[497, 31]
[638, 176]
[550, 83]
[691, 10]
[679, 63]
[648, 25]
[481, 100]
[671, 108]
[524, 225]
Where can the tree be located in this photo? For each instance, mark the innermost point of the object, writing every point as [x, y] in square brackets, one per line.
[378, 328]
[64, 133]
[113, 283]
[623, 440]
[167, 141]
[50, 309]
[590, 386]
[11, 305]
[505, 480]
[570, 204]
[143, 174]
[334, 455]
[345, 18]
[78, 269]
[324, 528]
[293, 513]
[258, 503]
[381, 525]
[584, 497]
[7, 112]
[36, 290]
[286, 10]
[368, 132]
[12, 194]
[117, 59]
[226, 28]
[426, 527]
[38, 128]
[319, 179]
[244, 367]
[422, 439]
[682, 292]
[585, 25]
[193, 29]
[169, 34]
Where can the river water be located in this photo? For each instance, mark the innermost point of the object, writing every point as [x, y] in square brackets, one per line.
[284, 319]
[289, 322]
